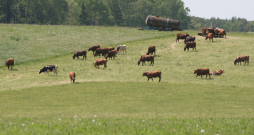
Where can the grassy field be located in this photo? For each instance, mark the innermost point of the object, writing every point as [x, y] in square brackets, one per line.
[118, 100]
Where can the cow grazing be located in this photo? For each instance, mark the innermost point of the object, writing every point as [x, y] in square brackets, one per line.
[121, 48]
[214, 73]
[72, 76]
[181, 36]
[93, 48]
[202, 71]
[223, 32]
[111, 54]
[49, 68]
[152, 74]
[103, 51]
[144, 58]
[210, 36]
[79, 53]
[151, 50]
[203, 30]
[189, 39]
[100, 62]
[190, 45]
[9, 63]
[244, 58]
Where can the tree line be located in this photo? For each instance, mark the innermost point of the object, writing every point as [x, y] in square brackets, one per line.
[130, 13]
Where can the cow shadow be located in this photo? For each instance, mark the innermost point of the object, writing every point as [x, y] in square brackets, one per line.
[14, 70]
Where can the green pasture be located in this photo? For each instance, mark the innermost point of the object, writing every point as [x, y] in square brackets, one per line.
[118, 100]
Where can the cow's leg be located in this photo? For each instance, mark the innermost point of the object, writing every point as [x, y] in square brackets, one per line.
[148, 79]
[159, 78]
[152, 79]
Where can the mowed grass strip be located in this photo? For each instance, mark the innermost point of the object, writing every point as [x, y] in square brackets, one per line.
[128, 99]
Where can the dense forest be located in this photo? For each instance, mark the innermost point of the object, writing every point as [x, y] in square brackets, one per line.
[130, 13]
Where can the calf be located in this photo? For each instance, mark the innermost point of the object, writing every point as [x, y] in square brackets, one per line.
[189, 39]
[121, 48]
[202, 71]
[244, 58]
[9, 62]
[72, 76]
[151, 50]
[190, 45]
[210, 36]
[49, 68]
[152, 74]
[144, 58]
[100, 62]
[111, 54]
[79, 53]
[181, 36]
[93, 48]
[214, 73]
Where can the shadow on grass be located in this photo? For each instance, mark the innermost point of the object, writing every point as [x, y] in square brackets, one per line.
[14, 70]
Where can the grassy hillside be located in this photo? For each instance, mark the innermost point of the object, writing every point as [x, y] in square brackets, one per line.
[180, 102]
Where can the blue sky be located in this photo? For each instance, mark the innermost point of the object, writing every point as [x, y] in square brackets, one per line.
[223, 9]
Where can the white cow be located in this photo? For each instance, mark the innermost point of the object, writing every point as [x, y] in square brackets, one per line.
[121, 48]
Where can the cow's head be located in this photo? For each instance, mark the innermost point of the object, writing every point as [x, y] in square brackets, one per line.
[144, 73]
[206, 37]
[195, 71]
[147, 53]
[138, 62]
[235, 61]
[40, 71]
[95, 54]
[184, 48]
[89, 49]
[73, 56]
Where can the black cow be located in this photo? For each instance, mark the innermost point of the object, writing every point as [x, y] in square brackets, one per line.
[189, 39]
[49, 68]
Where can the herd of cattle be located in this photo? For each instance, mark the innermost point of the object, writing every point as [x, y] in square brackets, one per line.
[111, 52]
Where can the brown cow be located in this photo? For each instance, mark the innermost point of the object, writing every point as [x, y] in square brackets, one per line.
[72, 76]
[190, 45]
[79, 53]
[152, 74]
[93, 48]
[202, 71]
[203, 30]
[214, 73]
[244, 58]
[103, 51]
[100, 62]
[111, 54]
[151, 50]
[181, 36]
[216, 31]
[144, 58]
[223, 32]
[9, 62]
[210, 36]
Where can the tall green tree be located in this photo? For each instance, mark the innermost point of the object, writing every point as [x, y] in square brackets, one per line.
[117, 12]
[83, 15]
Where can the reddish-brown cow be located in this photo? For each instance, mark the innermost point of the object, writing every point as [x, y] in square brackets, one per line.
[100, 62]
[223, 32]
[203, 30]
[72, 76]
[152, 74]
[79, 53]
[93, 48]
[210, 36]
[202, 71]
[9, 62]
[244, 58]
[214, 73]
[103, 51]
[151, 50]
[181, 36]
[190, 45]
[111, 54]
[144, 58]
